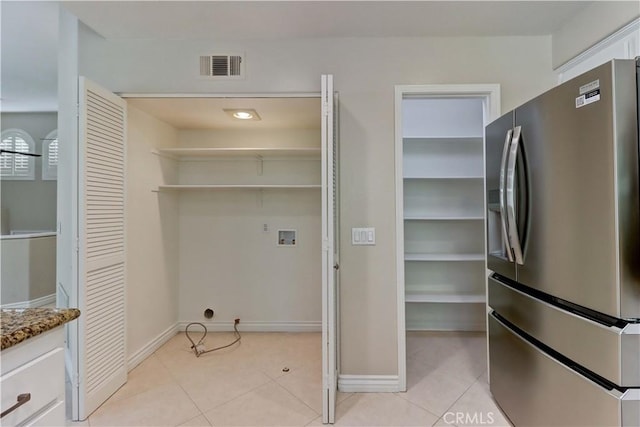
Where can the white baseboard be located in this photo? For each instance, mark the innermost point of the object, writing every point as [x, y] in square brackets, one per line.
[38, 302]
[368, 383]
[257, 326]
[146, 351]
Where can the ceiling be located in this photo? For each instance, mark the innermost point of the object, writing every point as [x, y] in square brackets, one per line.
[29, 31]
[208, 113]
[272, 20]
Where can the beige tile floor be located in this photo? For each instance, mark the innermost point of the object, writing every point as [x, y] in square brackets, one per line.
[246, 386]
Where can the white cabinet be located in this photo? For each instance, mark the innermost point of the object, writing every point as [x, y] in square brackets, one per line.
[443, 212]
[33, 372]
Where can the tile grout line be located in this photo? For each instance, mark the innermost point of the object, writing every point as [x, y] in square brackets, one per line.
[419, 407]
[300, 400]
[193, 418]
[242, 394]
[230, 400]
[271, 379]
[460, 397]
[181, 388]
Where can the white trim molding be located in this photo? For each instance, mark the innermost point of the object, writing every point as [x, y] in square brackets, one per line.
[257, 326]
[149, 348]
[623, 44]
[38, 302]
[369, 383]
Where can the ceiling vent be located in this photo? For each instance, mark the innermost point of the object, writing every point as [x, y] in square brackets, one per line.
[222, 66]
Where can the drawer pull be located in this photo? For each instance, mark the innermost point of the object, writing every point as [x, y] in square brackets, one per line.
[22, 399]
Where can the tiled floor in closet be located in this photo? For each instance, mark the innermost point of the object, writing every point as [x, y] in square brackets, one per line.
[246, 386]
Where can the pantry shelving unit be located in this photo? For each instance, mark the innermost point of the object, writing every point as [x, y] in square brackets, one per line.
[443, 213]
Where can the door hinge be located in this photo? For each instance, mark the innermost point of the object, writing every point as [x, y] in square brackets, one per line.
[336, 266]
[77, 248]
[325, 109]
[75, 381]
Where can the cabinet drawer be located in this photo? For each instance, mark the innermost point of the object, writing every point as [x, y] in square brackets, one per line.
[54, 416]
[608, 351]
[534, 388]
[43, 378]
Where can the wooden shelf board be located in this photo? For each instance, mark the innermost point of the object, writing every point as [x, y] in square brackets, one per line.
[442, 218]
[240, 152]
[422, 297]
[235, 186]
[447, 139]
[443, 177]
[443, 257]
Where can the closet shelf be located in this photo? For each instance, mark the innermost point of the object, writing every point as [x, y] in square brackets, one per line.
[422, 297]
[181, 153]
[443, 257]
[443, 139]
[443, 177]
[236, 186]
[443, 218]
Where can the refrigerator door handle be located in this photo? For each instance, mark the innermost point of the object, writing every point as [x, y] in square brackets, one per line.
[503, 209]
[512, 227]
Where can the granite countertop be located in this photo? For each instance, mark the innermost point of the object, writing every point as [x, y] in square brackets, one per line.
[19, 324]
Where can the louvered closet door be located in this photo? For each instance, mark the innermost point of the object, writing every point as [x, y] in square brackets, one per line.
[329, 253]
[102, 352]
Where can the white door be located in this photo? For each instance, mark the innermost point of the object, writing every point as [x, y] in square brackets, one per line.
[330, 246]
[100, 366]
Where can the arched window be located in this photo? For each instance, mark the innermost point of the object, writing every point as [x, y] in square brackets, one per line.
[50, 156]
[17, 166]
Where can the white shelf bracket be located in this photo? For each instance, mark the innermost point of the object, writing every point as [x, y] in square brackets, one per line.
[260, 198]
[260, 165]
[164, 155]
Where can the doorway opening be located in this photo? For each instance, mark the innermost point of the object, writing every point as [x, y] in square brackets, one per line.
[208, 207]
[253, 181]
[440, 219]
[224, 189]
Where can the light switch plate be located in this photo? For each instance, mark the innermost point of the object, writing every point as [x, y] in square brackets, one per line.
[363, 236]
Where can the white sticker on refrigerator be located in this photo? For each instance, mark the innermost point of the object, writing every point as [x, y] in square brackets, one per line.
[588, 98]
[590, 87]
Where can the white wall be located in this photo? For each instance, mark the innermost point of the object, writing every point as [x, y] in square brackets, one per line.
[227, 261]
[30, 205]
[591, 25]
[151, 232]
[28, 268]
[366, 70]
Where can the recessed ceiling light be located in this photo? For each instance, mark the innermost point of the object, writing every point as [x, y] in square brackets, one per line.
[242, 113]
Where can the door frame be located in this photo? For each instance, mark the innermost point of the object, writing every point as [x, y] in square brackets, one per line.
[490, 95]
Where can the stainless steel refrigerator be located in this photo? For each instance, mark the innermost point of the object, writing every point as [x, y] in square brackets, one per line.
[563, 236]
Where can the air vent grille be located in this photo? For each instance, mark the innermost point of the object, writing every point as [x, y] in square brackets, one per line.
[217, 66]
